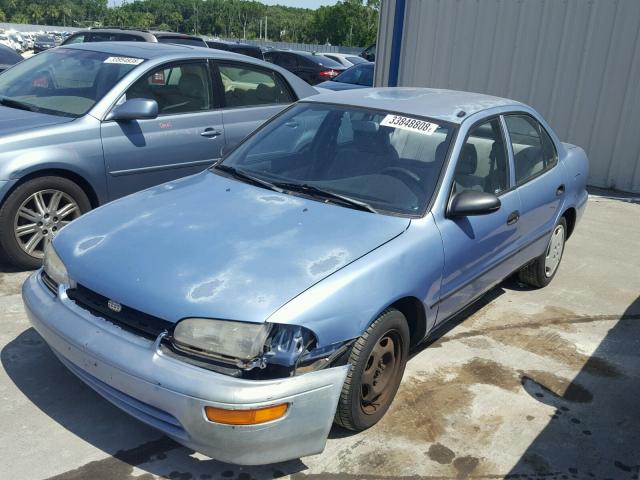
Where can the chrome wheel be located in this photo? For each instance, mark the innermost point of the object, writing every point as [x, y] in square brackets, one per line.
[554, 251]
[40, 217]
[379, 373]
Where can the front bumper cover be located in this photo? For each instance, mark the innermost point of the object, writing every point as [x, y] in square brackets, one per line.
[170, 395]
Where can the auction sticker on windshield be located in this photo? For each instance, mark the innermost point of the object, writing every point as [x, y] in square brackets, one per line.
[124, 60]
[411, 124]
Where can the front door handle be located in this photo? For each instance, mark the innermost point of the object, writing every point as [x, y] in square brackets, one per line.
[560, 190]
[513, 217]
[210, 133]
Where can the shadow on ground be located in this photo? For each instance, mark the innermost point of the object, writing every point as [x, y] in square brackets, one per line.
[594, 431]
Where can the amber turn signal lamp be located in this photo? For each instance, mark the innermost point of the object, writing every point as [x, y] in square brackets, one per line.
[246, 417]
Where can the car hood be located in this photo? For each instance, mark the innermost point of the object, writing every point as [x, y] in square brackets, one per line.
[337, 86]
[14, 120]
[210, 246]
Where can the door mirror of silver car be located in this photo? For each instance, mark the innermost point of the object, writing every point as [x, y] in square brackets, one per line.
[472, 202]
[134, 109]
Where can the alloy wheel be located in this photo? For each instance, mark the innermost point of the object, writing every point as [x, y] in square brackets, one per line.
[40, 217]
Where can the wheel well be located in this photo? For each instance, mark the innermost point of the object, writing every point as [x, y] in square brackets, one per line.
[413, 310]
[570, 217]
[74, 177]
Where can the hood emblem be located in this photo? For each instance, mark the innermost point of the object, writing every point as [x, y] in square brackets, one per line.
[115, 306]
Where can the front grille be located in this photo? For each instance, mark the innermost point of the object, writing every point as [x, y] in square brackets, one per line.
[127, 318]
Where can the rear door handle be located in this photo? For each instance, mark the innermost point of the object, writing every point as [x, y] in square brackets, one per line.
[513, 217]
[210, 133]
[560, 190]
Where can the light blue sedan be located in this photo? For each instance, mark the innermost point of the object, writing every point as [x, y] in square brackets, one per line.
[84, 124]
[244, 309]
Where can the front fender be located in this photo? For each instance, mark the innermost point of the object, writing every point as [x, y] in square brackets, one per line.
[343, 305]
[74, 147]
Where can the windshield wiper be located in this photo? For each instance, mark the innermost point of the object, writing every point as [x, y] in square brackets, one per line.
[239, 174]
[9, 102]
[314, 191]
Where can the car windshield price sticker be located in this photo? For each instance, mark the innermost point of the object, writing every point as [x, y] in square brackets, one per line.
[411, 124]
[124, 60]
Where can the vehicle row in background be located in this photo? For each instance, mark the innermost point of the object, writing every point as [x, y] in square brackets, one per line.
[116, 34]
[84, 124]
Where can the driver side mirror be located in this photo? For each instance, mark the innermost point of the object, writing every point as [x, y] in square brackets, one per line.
[471, 202]
[134, 109]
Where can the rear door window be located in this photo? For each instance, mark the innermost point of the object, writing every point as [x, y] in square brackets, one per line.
[533, 149]
[247, 85]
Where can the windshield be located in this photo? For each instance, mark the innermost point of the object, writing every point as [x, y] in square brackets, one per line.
[63, 81]
[387, 162]
[358, 75]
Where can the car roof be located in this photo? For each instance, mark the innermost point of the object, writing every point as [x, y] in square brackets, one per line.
[146, 50]
[428, 102]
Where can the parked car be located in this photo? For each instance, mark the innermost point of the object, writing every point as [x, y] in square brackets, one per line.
[17, 41]
[43, 42]
[344, 59]
[6, 41]
[84, 124]
[358, 76]
[369, 53]
[310, 67]
[242, 48]
[8, 57]
[114, 34]
[243, 309]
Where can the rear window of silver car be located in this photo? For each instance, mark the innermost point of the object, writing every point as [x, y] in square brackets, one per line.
[64, 81]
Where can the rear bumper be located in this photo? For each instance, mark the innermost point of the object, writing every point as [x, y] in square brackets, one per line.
[170, 395]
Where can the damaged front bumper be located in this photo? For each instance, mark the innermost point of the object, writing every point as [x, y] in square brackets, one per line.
[171, 395]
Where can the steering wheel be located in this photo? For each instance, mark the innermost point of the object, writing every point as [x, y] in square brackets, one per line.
[406, 176]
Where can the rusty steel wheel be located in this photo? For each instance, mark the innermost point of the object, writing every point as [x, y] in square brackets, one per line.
[377, 363]
[380, 371]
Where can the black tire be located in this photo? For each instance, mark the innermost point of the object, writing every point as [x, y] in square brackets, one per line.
[354, 412]
[9, 246]
[536, 273]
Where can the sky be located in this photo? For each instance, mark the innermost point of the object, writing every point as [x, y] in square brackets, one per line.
[300, 3]
[288, 3]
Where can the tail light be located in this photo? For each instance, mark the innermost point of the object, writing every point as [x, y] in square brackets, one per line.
[329, 73]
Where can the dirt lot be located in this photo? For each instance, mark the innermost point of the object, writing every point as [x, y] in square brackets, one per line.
[530, 384]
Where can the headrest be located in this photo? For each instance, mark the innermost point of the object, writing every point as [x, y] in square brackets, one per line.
[364, 126]
[190, 85]
[468, 162]
[266, 93]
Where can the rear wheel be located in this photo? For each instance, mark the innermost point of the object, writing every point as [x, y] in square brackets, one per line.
[377, 359]
[541, 271]
[34, 213]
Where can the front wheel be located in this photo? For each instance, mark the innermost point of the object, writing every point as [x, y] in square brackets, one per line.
[34, 213]
[377, 359]
[541, 271]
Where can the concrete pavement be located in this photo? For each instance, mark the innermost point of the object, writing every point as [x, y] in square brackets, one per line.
[527, 384]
